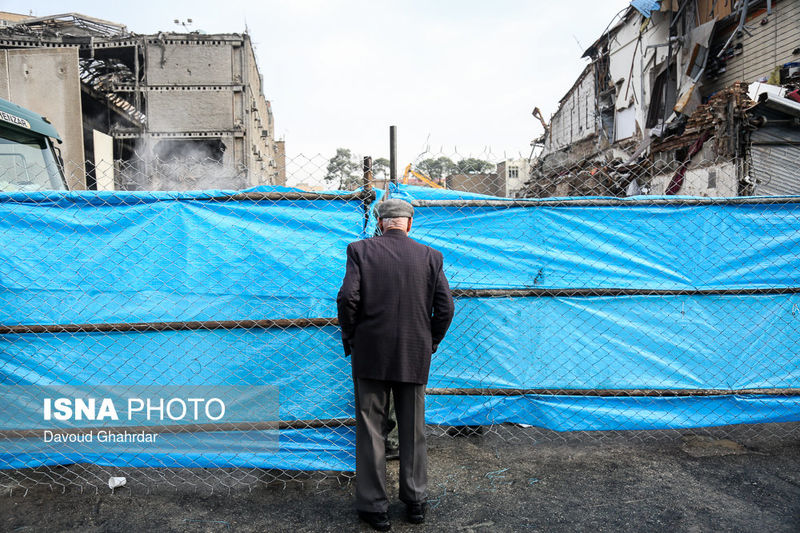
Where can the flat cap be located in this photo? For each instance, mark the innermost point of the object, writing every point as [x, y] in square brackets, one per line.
[395, 208]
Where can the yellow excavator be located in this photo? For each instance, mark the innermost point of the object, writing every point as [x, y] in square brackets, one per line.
[422, 177]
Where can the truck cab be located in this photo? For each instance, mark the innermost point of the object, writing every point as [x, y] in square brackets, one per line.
[28, 158]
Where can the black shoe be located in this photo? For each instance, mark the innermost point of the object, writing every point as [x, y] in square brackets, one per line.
[415, 512]
[377, 521]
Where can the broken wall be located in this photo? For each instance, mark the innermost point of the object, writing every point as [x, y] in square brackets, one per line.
[262, 156]
[47, 82]
[633, 88]
[190, 111]
[576, 116]
[204, 89]
[714, 180]
[188, 62]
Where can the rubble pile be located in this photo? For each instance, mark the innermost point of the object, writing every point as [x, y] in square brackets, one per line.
[721, 115]
[718, 108]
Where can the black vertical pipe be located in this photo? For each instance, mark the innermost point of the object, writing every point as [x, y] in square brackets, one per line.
[393, 154]
[367, 186]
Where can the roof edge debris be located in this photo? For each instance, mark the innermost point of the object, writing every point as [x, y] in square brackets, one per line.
[98, 26]
[609, 31]
[77, 25]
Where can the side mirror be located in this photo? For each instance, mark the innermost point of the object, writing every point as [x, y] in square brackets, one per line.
[59, 159]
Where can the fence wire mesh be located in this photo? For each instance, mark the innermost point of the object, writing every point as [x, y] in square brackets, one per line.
[601, 296]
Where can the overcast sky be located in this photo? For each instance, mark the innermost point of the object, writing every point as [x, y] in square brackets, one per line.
[453, 75]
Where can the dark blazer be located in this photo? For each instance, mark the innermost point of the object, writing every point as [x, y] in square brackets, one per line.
[394, 307]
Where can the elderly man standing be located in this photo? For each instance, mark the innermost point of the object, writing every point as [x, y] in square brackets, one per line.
[394, 309]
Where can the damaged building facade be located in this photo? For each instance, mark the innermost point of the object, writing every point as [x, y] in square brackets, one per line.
[170, 111]
[691, 97]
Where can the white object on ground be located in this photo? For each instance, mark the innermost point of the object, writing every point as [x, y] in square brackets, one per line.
[114, 482]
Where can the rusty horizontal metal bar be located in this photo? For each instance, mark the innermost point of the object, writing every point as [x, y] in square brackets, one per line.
[612, 393]
[345, 422]
[367, 195]
[610, 291]
[607, 202]
[208, 325]
[122, 327]
[186, 428]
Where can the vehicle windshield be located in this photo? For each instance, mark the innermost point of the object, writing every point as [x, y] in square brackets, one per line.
[27, 164]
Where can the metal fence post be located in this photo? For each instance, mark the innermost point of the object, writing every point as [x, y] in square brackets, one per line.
[393, 154]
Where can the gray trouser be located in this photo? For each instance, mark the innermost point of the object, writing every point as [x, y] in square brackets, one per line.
[372, 404]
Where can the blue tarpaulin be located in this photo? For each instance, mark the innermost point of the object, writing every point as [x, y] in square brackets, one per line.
[689, 341]
[76, 258]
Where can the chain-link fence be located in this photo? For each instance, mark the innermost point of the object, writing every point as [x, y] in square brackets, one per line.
[173, 332]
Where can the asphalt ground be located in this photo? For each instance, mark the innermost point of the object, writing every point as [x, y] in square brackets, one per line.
[512, 480]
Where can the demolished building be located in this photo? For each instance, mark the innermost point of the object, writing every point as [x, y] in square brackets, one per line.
[667, 105]
[169, 111]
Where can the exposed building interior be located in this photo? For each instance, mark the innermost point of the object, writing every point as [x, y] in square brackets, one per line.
[169, 111]
[680, 97]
